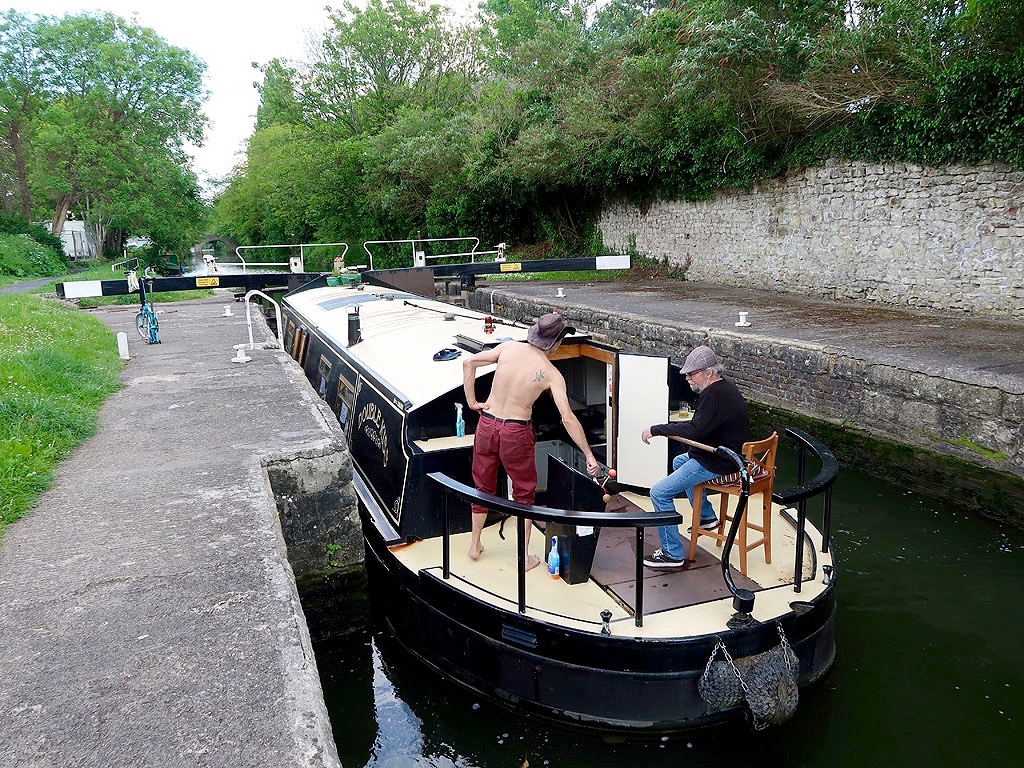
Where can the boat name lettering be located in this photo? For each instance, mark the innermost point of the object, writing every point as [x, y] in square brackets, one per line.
[371, 422]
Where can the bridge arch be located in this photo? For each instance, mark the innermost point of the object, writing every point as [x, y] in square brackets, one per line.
[229, 243]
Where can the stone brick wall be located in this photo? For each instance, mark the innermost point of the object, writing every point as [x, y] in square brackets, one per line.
[942, 238]
[977, 427]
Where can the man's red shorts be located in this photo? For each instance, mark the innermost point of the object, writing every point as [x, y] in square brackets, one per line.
[509, 444]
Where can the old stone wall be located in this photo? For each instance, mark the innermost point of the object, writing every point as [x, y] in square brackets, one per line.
[978, 428]
[900, 234]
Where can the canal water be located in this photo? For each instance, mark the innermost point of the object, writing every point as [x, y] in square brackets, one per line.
[930, 633]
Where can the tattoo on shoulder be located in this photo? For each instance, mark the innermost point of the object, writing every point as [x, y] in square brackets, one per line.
[539, 375]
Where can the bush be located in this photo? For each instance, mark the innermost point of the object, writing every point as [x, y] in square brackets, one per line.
[14, 225]
[23, 256]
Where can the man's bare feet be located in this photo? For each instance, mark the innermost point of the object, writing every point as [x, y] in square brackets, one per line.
[474, 552]
[532, 561]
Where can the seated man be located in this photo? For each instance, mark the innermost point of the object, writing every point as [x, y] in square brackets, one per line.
[719, 419]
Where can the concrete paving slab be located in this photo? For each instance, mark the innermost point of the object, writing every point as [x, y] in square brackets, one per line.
[148, 613]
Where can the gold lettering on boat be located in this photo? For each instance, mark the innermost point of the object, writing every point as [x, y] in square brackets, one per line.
[371, 422]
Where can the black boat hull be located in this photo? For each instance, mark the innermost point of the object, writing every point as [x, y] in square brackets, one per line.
[605, 682]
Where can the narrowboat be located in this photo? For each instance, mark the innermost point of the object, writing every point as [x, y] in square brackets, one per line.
[600, 641]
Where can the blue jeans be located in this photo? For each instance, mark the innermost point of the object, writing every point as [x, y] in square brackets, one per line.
[686, 473]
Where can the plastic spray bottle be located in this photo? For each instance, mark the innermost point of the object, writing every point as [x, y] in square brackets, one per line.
[553, 561]
[460, 424]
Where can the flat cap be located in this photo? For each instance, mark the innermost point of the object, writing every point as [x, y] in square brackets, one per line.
[699, 359]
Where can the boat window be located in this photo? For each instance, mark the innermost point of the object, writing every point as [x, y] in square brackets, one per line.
[343, 400]
[289, 335]
[323, 375]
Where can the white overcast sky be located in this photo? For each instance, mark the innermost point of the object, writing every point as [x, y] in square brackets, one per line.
[229, 36]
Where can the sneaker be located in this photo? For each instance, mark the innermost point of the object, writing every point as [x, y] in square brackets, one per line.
[706, 525]
[660, 560]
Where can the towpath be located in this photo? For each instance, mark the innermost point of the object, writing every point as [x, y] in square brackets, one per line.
[148, 614]
[954, 345]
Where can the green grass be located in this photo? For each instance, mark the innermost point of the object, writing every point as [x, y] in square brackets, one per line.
[585, 276]
[641, 267]
[57, 367]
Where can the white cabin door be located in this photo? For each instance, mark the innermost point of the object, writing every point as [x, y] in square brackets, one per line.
[643, 401]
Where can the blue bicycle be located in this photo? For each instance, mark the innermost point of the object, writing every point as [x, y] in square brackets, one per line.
[145, 321]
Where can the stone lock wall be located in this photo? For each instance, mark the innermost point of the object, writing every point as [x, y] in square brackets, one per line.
[941, 238]
[317, 510]
[951, 438]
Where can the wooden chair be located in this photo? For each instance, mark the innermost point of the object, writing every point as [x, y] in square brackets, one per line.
[760, 457]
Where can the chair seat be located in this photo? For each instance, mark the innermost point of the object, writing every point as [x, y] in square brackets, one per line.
[733, 478]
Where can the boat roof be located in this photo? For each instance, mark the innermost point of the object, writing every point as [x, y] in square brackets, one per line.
[400, 332]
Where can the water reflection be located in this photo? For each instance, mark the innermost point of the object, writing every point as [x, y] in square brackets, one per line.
[199, 269]
[927, 672]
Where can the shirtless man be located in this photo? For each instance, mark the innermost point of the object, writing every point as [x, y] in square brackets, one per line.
[504, 437]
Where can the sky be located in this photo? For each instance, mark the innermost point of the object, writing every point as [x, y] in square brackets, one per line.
[228, 36]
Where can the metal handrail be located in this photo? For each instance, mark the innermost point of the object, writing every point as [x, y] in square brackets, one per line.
[820, 484]
[472, 253]
[248, 316]
[125, 264]
[637, 520]
[742, 599]
[300, 246]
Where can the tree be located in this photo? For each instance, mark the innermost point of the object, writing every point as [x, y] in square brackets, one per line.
[21, 96]
[121, 102]
[375, 60]
[278, 102]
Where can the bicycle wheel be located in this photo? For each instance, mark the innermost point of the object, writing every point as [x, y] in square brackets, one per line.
[141, 326]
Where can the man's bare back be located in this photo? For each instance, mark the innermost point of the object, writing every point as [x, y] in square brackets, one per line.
[523, 373]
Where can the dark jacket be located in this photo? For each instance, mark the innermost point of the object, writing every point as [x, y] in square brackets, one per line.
[720, 419]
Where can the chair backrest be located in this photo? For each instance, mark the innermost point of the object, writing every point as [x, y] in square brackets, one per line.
[760, 455]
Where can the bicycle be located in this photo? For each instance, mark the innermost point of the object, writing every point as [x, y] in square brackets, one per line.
[146, 322]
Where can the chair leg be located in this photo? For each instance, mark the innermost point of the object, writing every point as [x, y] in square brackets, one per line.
[723, 515]
[694, 525]
[766, 513]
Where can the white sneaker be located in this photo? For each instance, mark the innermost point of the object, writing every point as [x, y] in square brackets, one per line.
[706, 525]
[660, 560]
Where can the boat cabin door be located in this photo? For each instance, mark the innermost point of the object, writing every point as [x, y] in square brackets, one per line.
[642, 401]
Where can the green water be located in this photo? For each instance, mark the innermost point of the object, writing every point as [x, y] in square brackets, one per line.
[929, 632]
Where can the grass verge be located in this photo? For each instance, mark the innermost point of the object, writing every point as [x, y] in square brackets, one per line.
[57, 367]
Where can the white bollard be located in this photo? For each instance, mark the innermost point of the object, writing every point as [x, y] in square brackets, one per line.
[227, 311]
[560, 294]
[122, 345]
[240, 356]
[743, 320]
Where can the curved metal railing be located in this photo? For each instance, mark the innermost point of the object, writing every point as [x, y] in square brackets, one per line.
[820, 484]
[743, 600]
[638, 520]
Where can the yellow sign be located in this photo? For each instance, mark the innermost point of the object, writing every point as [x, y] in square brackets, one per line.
[207, 282]
[511, 266]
